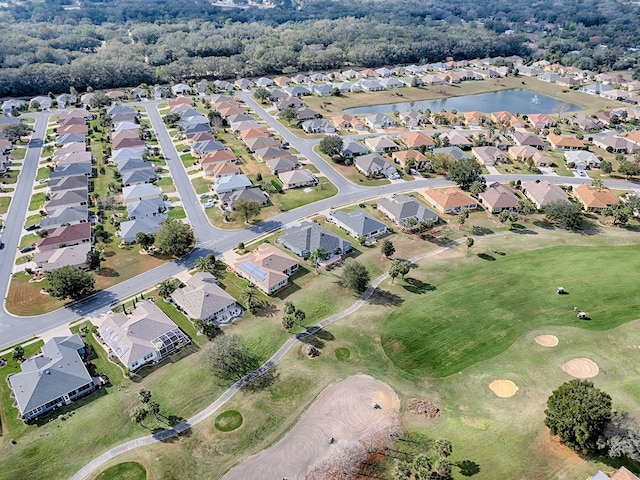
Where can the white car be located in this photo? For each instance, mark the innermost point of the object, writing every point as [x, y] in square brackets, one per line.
[204, 195]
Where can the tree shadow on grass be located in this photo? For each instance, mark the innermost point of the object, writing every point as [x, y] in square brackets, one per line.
[261, 382]
[468, 468]
[486, 256]
[268, 310]
[107, 272]
[325, 335]
[385, 298]
[418, 286]
[477, 230]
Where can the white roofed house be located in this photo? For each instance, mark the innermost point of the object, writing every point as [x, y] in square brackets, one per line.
[202, 297]
[380, 121]
[144, 191]
[358, 224]
[143, 336]
[381, 144]
[297, 178]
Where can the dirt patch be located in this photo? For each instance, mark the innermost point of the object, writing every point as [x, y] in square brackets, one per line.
[547, 340]
[344, 414]
[423, 408]
[581, 368]
[503, 388]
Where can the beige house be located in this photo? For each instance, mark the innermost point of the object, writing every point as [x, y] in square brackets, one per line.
[202, 297]
[449, 200]
[267, 267]
[297, 178]
[543, 193]
[594, 200]
[498, 197]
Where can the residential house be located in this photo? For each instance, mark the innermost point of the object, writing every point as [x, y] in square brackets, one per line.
[324, 90]
[297, 91]
[152, 207]
[282, 164]
[72, 170]
[381, 144]
[374, 165]
[454, 152]
[68, 183]
[73, 256]
[66, 198]
[507, 119]
[489, 156]
[221, 169]
[307, 237]
[270, 153]
[391, 83]
[358, 224]
[267, 267]
[403, 156]
[244, 84]
[144, 336]
[289, 102]
[456, 139]
[136, 193]
[528, 139]
[300, 78]
[228, 200]
[588, 123]
[198, 137]
[417, 139]
[66, 99]
[540, 120]
[264, 82]
[542, 193]
[498, 197]
[564, 142]
[231, 183]
[401, 208]
[259, 143]
[207, 146]
[318, 126]
[66, 236]
[449, 200]
[181, 89]
[54, 378]
[297, 178]
[65, 216]
[475, 118]
[70, 138]
[412, 119]
[371, 85]
[138, 176]
[306, 113]
[147, 224]
[12, 107]
[282, 81]
[616, 144]
[582, 159]
[380, 121]
[595, 200]
[201, 297]
[351, 148]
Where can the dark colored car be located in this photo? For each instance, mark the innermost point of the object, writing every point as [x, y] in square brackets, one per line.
[30, 228]
[1, 245]
[28, 248]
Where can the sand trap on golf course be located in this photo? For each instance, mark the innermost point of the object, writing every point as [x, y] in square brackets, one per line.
[503, 388]
[344, 411]
[581, 368]
[547, 340]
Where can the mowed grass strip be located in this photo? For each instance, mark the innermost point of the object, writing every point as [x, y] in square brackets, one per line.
[478, 310]
[124, 471]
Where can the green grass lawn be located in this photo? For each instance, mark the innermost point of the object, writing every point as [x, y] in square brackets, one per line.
[477, 310]
[4, 204]
[201, 185]
[37, 200]
[43, 172]
[124, 471]
[181, 320]
[19, 153]
[177, 212]
[188, 160]
[228, 421]
[297, 197]
[29, 239]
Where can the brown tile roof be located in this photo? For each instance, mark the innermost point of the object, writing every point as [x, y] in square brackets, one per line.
[448, 197]
[416, 139]
[564, 141]
[403, 155]
[592, 198]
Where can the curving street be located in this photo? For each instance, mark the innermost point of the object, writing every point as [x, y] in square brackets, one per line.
[14, 329]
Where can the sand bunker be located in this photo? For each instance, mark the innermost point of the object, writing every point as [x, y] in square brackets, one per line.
[343, 411]
[547, 340]
[581, 368]
[503, 388]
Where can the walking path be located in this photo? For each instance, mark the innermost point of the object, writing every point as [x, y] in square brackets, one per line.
[231, 391]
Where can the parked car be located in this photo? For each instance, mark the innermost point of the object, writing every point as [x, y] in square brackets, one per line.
[204, 195]
[27, 249]
[31, 228]
[1, 245]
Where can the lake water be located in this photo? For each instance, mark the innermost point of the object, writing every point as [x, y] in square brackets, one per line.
[514, 101]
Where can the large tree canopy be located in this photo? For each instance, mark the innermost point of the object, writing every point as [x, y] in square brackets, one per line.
[174, 237]
[578, 413]
[70, 282]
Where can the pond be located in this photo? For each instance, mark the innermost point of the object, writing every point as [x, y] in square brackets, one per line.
[514, 101]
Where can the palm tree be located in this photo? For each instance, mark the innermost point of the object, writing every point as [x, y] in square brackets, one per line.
[317, 255]
[206, 263]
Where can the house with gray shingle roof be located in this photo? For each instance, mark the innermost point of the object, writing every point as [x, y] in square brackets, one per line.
[374, 165]
[65, 216]
[54, 378]
[309, 236]
[401, 208]
[146, 335]
[252, 194]
[202, 297]
[358, 224]
[150, 224]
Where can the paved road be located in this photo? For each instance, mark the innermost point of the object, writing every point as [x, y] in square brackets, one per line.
[15, 329]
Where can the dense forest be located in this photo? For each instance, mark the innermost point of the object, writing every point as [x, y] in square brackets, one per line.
[52, 45]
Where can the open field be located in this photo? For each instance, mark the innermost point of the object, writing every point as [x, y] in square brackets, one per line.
[505, 437]
[124, 471]
[331, 106]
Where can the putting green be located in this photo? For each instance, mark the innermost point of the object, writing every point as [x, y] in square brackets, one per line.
[228, 421]
[477, 310]
[124, 471]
